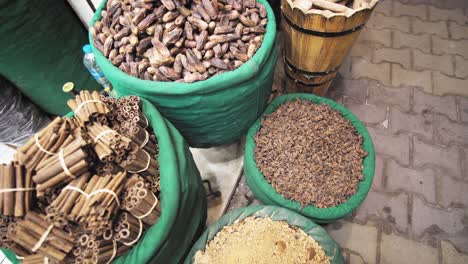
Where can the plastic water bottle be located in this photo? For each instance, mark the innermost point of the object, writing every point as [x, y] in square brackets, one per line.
[89, 62]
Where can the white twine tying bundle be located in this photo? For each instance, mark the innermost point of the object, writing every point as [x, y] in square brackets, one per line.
[146, 139]
[139, 234]
[114, 252]
[42, 239]
[107, 131]
[64, 165]
[74, 188]
[36, 139]
[80, 106]
[16, 190]
[156, 201]
[147, 164]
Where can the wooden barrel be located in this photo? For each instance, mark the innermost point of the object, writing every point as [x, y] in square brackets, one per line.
[316, 43]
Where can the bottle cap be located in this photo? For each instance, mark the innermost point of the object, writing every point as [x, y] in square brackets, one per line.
[87, 48]
[68, 87]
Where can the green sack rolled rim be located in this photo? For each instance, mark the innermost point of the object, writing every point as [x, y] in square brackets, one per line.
[265, 192]
[276, 213]
[183, 203]
[212, 112]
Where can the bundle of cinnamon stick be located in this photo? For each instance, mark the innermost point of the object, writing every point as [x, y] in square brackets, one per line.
[58, 134]
[83, 189]
[16, 189]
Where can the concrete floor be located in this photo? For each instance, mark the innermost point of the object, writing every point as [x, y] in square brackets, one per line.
[406, 79]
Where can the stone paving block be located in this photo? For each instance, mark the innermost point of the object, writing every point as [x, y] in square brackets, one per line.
[423, 61]
[387, 207]
[400, 9]
[458, 31]
[380, 94]
[445, 46]
[450, 254]
[461, 67]
[356, 89]
[404, 77]
[424, 103]
[400, 56]
[363, 50]
[436, 28]
[425, 216]
[452, 191]
[416, 124]
[380, 21]
[445, 158]
[356, 259]
[406, 40]
[385, 7]
[463, 109]
[436, 14]
[378, 181]
[444, 84]
[419, 181]
[358, 238]
[376, 36]
[448, 132]
[396, 249]
[395, 146]
[369, 114]
[365, 69]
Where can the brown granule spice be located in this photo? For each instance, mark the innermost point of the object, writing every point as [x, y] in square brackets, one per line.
[261, 241]
[310, 153]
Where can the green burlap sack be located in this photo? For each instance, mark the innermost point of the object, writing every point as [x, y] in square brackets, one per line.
[276, 213]
[41, 50]
[268, 195]
[182, 199]
[216, 111]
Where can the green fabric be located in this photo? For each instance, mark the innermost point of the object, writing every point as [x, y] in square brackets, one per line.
[268, 195]
[41, 50]
[216, 111]
[182, 199]
[276, 213]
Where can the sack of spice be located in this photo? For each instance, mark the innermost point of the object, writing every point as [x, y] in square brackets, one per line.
[111, 182]
[309, 154]
[264, 234]
[207, 65]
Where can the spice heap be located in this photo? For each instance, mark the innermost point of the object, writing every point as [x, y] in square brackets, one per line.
[261, 240]
[336, 6]
[179, 40]
[83, 189]
[310, 153]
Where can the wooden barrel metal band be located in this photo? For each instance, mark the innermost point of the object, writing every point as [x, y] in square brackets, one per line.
[320, 33]
[307, 74]
[307, 84]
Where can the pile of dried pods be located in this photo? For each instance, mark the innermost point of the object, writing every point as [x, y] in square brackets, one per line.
[179, 40]
[83, 189]
[336, 6]
[310, 153]
[261, 240]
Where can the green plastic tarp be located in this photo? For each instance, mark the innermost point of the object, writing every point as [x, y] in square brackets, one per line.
[41, 50]
[278, 214]
[216, 111]
[268, 195]
[182, 199]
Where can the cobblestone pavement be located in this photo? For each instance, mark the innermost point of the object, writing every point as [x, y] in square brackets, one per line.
[407, 80]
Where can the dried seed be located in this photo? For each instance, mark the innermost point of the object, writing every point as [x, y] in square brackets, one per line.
[197, 22]
[246, 21]
[188, 31]
[170, 16]
[210, 9]
[169, 4]
[146, 22]
[169, 73]
[108, 46]
[262, 10]
[218, 63]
